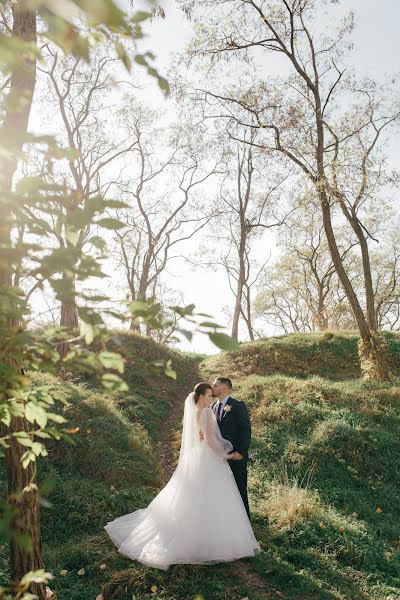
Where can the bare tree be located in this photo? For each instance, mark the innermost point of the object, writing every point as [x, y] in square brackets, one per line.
[327, 124]
[251, 203]
[165, 193]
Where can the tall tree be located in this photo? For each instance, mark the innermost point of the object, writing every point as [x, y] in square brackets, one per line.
[20, 407]
[326, 123]
[18, 104]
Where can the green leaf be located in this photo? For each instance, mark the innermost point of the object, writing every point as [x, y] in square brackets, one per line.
[163, 85]
[43, 435]
[188, 334]
[6, 416]
[123, 56]
[56, 418]
[110, 224]
[112, 360]
[115, 204]
[23, 438]
[27, 457]
[210, 324]
[114, 382]
[89, 316]
[97, 242]
[140, 16]
[223, 341]
[170, 373]
[33, 413]
[39, 449]
[138, 307]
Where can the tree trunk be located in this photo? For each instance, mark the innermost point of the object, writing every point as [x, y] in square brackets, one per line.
[24, 558]
[373, 351]
[375, 358]
[69, 319]
[247, 316]
[237, 310]
[321, 319]
[135, 325]
[18, 107]
[374, 365]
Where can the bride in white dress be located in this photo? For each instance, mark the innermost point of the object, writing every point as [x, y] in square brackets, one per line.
[199, 516]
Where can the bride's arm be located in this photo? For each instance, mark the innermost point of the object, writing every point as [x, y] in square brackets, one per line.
[208, 427]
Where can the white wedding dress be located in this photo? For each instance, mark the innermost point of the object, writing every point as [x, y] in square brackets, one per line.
[199, 516]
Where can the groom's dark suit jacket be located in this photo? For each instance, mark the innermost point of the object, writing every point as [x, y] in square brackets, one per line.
[235, 426]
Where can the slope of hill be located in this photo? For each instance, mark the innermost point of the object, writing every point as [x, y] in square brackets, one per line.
[324, 476]
[331, 355]
[325, 470]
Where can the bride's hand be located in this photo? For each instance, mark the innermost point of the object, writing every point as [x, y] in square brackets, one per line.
[229, 456]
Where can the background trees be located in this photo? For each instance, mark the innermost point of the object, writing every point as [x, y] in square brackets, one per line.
[328, 124]
[164, 190]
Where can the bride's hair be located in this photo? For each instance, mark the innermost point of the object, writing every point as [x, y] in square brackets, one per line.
[200, 388]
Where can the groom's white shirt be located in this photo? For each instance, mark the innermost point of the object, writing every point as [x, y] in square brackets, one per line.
[223, 402]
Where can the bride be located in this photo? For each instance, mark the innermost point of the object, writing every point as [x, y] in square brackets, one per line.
[199, 516]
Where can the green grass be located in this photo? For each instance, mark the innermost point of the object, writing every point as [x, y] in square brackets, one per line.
[339, 440]
[325, 456]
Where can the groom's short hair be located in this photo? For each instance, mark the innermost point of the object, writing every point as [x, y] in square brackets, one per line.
[226, 381]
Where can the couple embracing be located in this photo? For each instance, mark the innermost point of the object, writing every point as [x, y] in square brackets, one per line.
[202, 515]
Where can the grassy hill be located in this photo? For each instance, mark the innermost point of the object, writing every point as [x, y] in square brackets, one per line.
[324, 475]
[330, 355]
[325, 470]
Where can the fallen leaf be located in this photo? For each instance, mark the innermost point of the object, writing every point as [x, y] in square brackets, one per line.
[81, 571]
[99, 597]
[103, 566]
[63, 572]
[153, 589]
[388, 555]
[378, 510]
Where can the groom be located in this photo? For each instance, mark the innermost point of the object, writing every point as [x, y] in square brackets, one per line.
[234, 423]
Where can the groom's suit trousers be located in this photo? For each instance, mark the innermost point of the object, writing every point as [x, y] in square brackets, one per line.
[235, 426]
[239, 470]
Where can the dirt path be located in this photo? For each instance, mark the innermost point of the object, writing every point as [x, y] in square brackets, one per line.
[165, 439]
[254, 581]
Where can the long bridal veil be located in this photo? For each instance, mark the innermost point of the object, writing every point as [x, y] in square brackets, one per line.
[191, 443]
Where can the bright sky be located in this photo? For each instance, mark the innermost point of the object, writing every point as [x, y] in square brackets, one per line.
[375, 54]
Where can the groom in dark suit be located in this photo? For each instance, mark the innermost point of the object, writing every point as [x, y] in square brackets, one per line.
[234, 423]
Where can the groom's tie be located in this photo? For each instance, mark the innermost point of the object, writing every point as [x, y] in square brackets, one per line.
[219, 410]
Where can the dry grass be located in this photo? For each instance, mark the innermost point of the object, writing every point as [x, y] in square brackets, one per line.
[288, 504]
